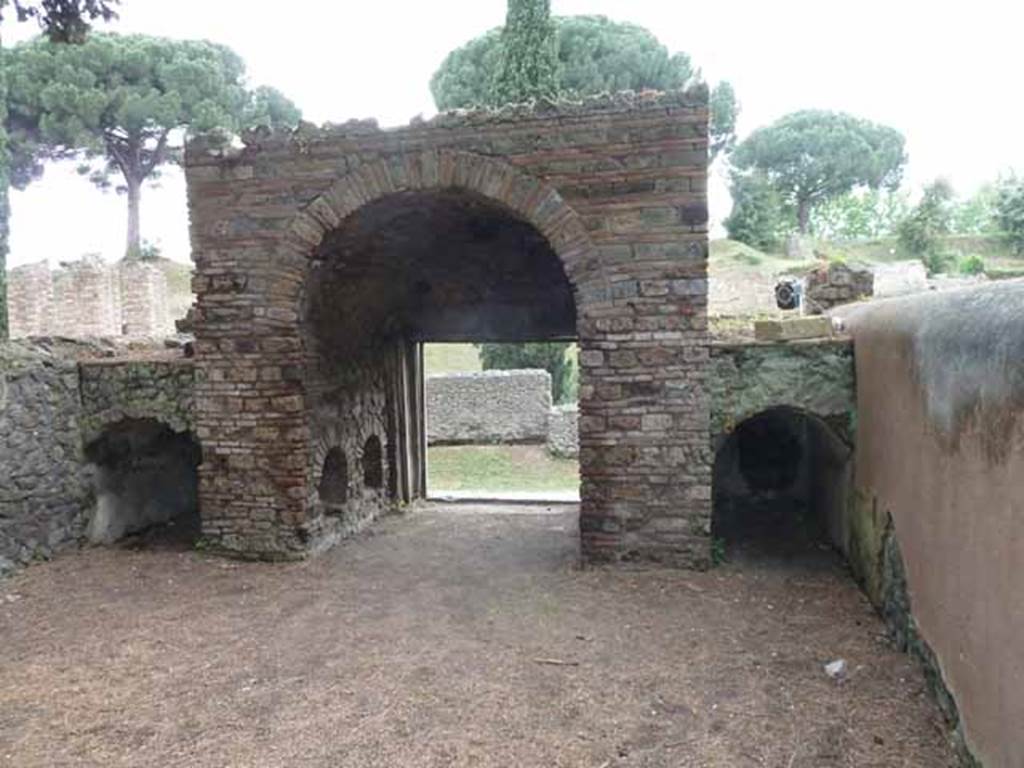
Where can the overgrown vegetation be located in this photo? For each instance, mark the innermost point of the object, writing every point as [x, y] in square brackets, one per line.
[921, 233]
[552, 357]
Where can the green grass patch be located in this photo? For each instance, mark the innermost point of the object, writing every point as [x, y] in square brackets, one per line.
[499, 468]
[450, 358]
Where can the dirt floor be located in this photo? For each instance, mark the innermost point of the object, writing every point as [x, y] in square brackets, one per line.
[450, 637]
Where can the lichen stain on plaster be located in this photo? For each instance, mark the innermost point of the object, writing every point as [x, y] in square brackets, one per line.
[965, 349]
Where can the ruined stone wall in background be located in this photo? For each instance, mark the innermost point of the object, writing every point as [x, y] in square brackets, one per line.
[488, 407]
[144, 300]
[564, 431]
[88, 298]
[30, 300]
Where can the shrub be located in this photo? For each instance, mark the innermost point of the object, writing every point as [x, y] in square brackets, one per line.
[759, 216]
[938, 261]
[1010, 211]
[549, 356]
[972, 265]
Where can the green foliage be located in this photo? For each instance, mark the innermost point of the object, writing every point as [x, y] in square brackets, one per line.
[724, 109]
[120, 103]
[921, 233]
[528, 63]
[972, 265]
[1009, 211]
[759, 215]
[150, 251]
[813, 156]
[63, 21]
[977, 214]
[860, 215]
[268, 106]
[939, 262]
[595, 55]
[719, 553]
[549, 356]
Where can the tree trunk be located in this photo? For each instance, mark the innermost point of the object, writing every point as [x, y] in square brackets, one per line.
[134, 245]
[5, 213]
[803, 216]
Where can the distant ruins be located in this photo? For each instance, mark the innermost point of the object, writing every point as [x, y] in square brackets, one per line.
[89, 298]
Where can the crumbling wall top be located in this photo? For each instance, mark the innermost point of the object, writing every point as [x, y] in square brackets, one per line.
[210, 149]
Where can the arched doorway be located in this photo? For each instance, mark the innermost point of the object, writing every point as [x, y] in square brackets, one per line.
[780, 484]
[415, 267]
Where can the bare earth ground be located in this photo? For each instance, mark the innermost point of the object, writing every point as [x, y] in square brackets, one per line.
[449, 637]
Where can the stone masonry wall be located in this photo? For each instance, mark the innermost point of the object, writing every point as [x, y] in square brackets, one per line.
[30, 300]
[833, 284]
[144, 300]
[345, 416]
[44, 489]
[118, 390]
[563, 431]
[88, 298]
[51, 408]
[616, 185]
[488, 407]
[816, 377]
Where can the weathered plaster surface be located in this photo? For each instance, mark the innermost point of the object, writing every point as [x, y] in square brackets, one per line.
[940, 450]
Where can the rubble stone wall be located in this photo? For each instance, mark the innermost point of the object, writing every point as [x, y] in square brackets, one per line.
[563, 431]
[345, 420]
[44, 488]
[816, 377]
[488, 407]
[51, 409]
[117, 390]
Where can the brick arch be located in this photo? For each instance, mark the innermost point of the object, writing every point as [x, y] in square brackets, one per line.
[531, 199]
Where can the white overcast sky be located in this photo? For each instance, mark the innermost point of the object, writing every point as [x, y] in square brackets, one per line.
[947, 74]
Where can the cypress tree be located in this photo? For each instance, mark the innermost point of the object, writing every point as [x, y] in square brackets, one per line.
[528, 67]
